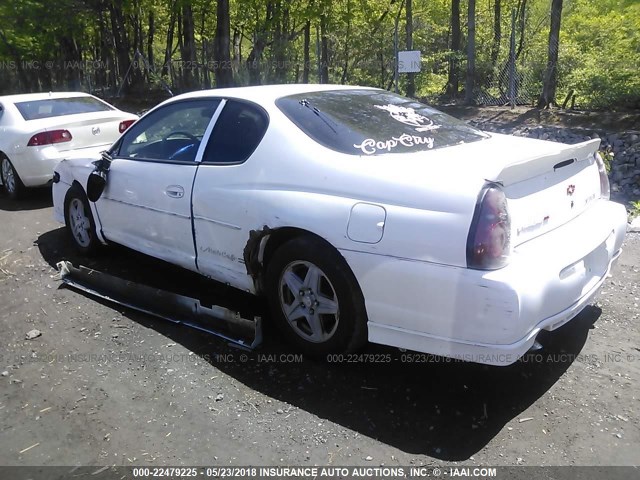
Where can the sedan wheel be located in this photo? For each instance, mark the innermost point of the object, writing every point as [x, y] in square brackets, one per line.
[79, 221]
[314, 297]
[10, 179]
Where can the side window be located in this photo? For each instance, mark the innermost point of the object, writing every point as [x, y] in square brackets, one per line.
[237, 133]
[172, 133]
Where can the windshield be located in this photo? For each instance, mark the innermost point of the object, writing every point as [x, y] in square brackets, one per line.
[57, 107]
[374, 122]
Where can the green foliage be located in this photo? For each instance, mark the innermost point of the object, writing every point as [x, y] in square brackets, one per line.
[599, 44]
[602, 52]
[607, 158]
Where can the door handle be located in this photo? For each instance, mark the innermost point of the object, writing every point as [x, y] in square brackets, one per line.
[174, 191]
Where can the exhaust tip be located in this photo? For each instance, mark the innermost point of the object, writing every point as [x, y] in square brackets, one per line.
[536, 346]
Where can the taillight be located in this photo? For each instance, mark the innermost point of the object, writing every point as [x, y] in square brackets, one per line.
[124, 125]
[489, 241]
[605, 189]
[51, 137]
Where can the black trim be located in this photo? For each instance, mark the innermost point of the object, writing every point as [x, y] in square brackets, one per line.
[155, 160]
[563, 164]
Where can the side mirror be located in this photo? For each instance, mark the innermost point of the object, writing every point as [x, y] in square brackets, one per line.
[95, 185]
[98, 178]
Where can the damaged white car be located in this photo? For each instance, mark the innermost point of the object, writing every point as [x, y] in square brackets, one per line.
[360, 214]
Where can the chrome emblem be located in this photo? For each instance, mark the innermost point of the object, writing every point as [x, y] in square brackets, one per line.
[95, 130]
[571, 189]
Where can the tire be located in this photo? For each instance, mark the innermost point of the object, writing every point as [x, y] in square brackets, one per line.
[327, 313]
[10, 179]
[79, 221]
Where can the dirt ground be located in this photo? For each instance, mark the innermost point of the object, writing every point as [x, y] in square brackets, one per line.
[104, 385]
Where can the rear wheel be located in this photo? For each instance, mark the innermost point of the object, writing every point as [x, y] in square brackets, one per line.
[315, 299]
[10, 179]
[79, 221]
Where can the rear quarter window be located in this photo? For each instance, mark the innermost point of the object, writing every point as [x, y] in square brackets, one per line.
[237, 133]
[374, 122]
[57, 107]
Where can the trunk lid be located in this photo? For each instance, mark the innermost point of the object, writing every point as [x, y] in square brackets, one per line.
[548, 189]
[88, 130]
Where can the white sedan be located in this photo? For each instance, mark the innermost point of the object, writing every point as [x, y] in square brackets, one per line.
[37, 130]
[360, 214]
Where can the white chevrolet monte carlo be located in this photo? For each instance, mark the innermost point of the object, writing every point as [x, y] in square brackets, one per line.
[360, 214]
[37, 130]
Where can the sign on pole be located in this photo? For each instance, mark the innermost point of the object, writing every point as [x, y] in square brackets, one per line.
[409, 61]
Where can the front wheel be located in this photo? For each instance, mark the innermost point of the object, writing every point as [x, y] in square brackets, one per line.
[10, 179]
[315, 299]
[79, 221]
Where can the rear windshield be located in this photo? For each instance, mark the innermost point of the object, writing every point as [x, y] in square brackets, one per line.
[57, 107]
[374, 122]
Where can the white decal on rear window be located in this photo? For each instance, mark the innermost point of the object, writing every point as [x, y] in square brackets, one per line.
[371, 146]
[408, 116]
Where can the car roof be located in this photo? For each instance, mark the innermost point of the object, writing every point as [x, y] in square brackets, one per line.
[266, 93]
[25, 97]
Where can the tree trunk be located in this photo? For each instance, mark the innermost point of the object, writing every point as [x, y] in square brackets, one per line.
[150, 34]
[280, 41]
[259, 44]
[453, 82]
[471, 54]
[121, 40]
[521, 26]
[550, 82]
[222, 46]
[324, 50]
[166, 66]
[497, 34]
[189, 59]
[411, 85]
[307, 46]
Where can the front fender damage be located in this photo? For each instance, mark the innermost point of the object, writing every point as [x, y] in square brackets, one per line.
[253, 254]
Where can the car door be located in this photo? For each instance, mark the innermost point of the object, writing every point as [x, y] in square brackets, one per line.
[146, 204]
[224, 202]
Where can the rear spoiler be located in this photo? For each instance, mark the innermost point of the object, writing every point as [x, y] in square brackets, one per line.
[538, 165]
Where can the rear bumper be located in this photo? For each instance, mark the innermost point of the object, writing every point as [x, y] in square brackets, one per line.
[35, 167]
[491, 317]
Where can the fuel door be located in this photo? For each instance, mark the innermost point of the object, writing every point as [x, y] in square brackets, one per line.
[366, 223]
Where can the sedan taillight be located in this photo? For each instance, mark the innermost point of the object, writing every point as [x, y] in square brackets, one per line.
[489, 240]
[124, 125]
[49, 138]
[605, 188]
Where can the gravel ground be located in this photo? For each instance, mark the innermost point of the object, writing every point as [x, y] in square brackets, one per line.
[102, 385]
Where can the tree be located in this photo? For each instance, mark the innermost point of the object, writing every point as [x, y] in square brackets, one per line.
[550, 82]
[453, 81]
[470, 84]
[188, 48]
[324, 48]
[497, 33]
[222, 51]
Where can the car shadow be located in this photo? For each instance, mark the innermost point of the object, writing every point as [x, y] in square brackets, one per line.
[34, 199]
[420, 404]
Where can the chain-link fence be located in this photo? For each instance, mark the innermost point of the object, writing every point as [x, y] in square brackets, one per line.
[512, 57]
